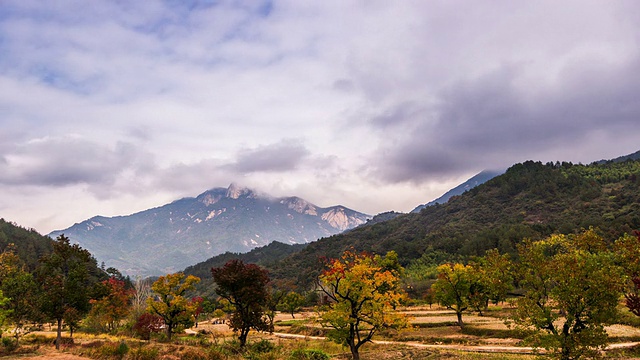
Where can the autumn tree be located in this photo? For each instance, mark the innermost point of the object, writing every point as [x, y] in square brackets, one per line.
[170, 301]
[572, 289]
[65, 280]
[245, 287]
[364, 291]
[111, 306]
[453, 288]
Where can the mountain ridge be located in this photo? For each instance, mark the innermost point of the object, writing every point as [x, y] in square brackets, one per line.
[170, 237]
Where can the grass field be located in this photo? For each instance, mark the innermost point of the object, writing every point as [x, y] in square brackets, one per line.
[434, 335]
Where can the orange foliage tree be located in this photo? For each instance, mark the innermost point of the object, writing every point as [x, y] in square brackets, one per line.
[364, 291]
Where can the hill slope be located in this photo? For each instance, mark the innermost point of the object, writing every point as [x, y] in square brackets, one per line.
[476, 180]
[29, 244]
[531, 200]
[171, 237]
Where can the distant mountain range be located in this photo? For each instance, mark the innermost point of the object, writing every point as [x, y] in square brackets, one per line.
[234, 219]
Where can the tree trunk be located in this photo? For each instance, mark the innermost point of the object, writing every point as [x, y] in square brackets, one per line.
[59, 336]
[169, 331]
[243, 337]
[354, 351]
[459, 315]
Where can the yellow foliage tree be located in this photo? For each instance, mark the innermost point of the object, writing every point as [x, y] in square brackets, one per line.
[169, 301]
[364, 291]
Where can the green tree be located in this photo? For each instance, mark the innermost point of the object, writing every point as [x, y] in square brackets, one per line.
[364, 292]
[572, 289]
[65, 280]
[3, 312]
[628, 250]
[453, 288]
[18, 285]
[292, 302]
[171, 303]
[245, 287]
[496, 271]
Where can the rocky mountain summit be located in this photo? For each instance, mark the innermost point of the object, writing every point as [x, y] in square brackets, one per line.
[236, 219]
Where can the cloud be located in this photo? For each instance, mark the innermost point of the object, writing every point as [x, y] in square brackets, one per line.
[279, 157]
[495, 120]
[71, 160]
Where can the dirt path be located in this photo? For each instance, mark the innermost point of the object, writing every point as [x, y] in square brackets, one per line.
[475, 348]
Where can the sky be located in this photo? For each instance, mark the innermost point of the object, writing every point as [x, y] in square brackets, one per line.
[112, 107]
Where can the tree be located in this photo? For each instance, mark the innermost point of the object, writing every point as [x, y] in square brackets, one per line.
[496, 271]
[453, 288]
[112, 306]
[170, 302]
[146, 324]
[364, 291]
[292, 302]
[65, 280]
[3, 312]
[141, 292]
[19, 285]
[245, 287]
[628, 250]
[572, 289]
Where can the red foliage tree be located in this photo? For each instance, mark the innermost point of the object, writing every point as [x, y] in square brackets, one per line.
[245, 287]
[146, 324]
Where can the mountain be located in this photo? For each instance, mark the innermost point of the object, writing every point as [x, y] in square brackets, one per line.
[234, 219]
[530, 200]
[478, 179]
[634, 156]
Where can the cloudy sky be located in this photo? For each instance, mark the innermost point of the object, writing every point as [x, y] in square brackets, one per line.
[112, 107]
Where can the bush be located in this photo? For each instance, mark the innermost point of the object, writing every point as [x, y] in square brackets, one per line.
[109, 350]
[8, 345]
[193, 354]
[308, 354]
[262, 346]
[143, 353]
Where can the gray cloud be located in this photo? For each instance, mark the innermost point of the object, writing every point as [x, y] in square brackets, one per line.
[60, 162]
[283, 156]
[494, 121]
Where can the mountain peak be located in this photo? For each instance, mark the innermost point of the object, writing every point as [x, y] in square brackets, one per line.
[235, 191]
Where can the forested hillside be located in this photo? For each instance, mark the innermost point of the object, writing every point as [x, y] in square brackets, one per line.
[29, 244]
[265, 256]
[531, 200]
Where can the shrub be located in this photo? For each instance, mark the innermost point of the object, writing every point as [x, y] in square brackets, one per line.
[308, 354]
[109, 350]
[262, 346]
[193, 354]
[143, 353]
[8, 345]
